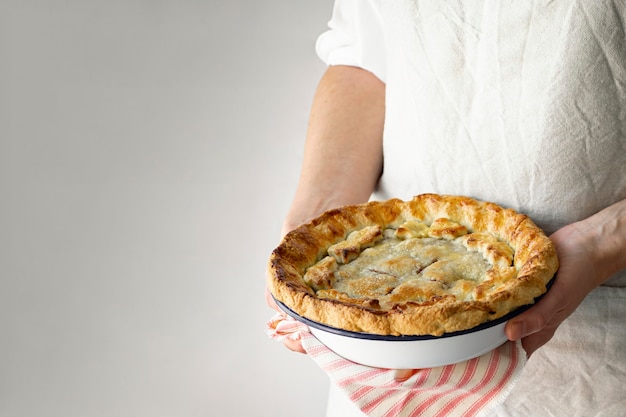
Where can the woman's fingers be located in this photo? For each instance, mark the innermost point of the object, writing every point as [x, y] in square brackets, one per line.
[295, 345]
[401, 375]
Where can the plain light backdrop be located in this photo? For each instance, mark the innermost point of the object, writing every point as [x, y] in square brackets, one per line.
[149, 151]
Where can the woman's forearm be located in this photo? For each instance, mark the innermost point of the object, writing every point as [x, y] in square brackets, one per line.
[343, 149]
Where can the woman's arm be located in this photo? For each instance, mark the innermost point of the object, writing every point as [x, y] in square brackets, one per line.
[343, 154]
[343, 151]
[590, 252]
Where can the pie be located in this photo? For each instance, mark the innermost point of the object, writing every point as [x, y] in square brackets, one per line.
[432, 265]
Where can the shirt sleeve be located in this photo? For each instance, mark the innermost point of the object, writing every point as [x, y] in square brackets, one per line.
[355, 37]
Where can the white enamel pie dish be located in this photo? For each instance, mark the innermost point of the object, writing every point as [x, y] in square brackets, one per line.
[410, 352]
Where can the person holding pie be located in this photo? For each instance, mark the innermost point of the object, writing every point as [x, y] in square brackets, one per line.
[518, 103]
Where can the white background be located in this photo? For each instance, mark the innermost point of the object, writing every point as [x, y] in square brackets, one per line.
[148, 153]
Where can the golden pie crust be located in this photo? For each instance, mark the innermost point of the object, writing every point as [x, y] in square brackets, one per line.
[435, 264]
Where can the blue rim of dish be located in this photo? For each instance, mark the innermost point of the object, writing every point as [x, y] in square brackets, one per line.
[371, 336]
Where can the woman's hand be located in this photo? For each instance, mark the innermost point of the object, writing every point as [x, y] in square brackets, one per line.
[575, 278]
[589, 252]
[291, 344]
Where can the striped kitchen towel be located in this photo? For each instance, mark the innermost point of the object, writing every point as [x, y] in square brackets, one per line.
[470, 389]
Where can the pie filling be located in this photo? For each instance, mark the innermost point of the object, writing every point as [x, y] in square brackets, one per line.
[414, 263]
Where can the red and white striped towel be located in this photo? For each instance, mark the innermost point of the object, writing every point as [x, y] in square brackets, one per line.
[469, 389]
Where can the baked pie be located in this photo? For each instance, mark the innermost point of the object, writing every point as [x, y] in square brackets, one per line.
[435, 264]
